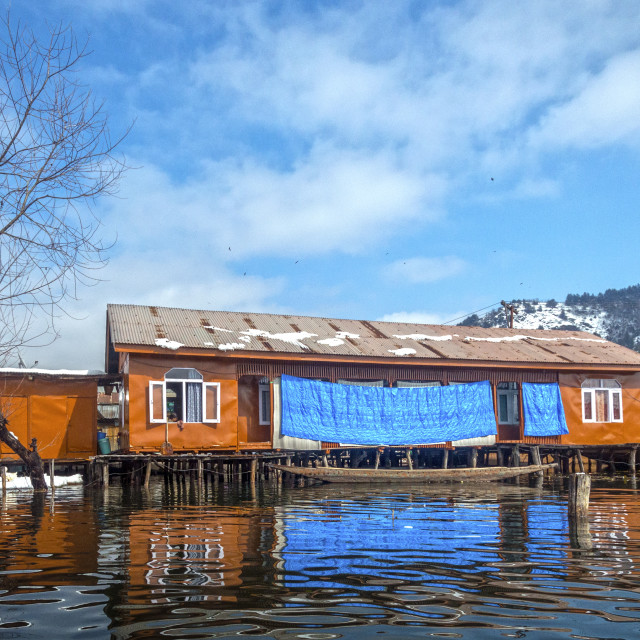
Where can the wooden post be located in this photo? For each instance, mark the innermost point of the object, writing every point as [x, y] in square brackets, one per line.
[579, 490]
[409, 460]
[580, 461]
[377, 462]
[445, 458]
[473, 458]
[4, 483]
[499, 457]
[515, 456]
[147, 475]
[52, 474]
[254, 471]
[535, 457]
[105, 475]
[632, 461]
[325, 460]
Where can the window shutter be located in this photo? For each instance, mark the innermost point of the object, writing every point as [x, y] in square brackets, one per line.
[211, 402]
[157, 402]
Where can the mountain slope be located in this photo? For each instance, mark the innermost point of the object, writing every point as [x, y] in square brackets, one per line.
[614, 315]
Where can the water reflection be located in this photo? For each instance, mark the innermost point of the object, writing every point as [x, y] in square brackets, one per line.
[320, 563]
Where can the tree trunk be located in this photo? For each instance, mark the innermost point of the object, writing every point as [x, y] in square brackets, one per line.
[30, 458]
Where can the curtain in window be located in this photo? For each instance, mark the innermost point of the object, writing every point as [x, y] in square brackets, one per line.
[194, 402]
[543, 410]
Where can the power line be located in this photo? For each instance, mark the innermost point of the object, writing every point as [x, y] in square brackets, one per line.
[466, 315]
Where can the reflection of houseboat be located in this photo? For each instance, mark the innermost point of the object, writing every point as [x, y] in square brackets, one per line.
[221, 380]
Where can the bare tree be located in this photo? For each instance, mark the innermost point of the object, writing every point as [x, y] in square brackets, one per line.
[56, 158]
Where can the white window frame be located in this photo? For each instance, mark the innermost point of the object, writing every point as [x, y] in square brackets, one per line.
[152, 384]
[264, 388]
[513, 405]
[590, 391]
[163, 385]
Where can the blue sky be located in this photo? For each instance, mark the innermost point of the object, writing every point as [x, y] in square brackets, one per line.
[373, 160]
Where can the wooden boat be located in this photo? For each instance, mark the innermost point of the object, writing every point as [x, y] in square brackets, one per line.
[477, 474]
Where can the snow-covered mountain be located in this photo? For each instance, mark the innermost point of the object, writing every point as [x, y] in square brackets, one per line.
[614, 315]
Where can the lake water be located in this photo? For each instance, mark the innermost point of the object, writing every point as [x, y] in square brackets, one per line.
[491, 561]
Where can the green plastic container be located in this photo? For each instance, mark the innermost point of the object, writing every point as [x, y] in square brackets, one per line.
[104, 446]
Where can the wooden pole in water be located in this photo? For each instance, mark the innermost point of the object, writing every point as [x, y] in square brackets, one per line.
[473, 457]
[52, 475]
[377, 462]
[409, 460]
[580, 461]
[445, 458]
[535, 457]
[4, 482]
[147, 475]
[105, 475]
[579, 490]
[632, 461]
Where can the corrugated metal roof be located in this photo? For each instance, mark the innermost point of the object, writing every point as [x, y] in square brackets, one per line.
[236, 332]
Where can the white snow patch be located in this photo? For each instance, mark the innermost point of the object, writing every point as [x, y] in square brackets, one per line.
[165, 343]
[291, 338]
[403, 352]
[230, 346]
[245, 338]
[422, 336]
[209, 344]
[522, 337]
[14, 482]
[341, 335]
[53, 372]
[208, 326]
[331, 342]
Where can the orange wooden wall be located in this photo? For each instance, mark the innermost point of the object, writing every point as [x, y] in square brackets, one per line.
[61, 414]
[142, 434]
[580, 432]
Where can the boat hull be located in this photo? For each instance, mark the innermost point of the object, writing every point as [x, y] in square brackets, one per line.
[369, 476]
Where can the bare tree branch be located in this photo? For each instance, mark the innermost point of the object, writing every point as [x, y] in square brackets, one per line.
[57, 158]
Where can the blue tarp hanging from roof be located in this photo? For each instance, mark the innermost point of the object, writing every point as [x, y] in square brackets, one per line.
[543, 410]
[385, 416]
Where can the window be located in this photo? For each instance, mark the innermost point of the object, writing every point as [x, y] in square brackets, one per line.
[508, 401]
[183, 395]
[264, 402]
[601, 400]
[417, 383]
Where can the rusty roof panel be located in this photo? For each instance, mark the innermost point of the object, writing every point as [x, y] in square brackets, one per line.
[234, 332]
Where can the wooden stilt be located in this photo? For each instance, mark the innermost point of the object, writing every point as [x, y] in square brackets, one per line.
[579, 489]
[580, 461]
[377, 462]
[4, 483]
[632, 461]
[253, 472]
[105, 475]
[445, 458]
[52, 475]
[147, 475]
[473, 458]
[515, 456]
[535, 458]
[499, 457]
[409, 460]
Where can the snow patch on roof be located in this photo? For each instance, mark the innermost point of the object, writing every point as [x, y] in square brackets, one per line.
[331, 342]
[422, 336]
[245, 338]
[291, 338]
[403, 352]
[523, 337]
[165, 343]
[341, 335]
[54, 372]
[230, 346]
[209, 344]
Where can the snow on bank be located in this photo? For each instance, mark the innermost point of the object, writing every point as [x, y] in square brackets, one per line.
[21, 483]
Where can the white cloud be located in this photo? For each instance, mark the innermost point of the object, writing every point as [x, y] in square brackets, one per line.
[425, 270]
[606, 110]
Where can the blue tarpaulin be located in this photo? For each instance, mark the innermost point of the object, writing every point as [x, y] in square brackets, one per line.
[543, 410]
[383, 415]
